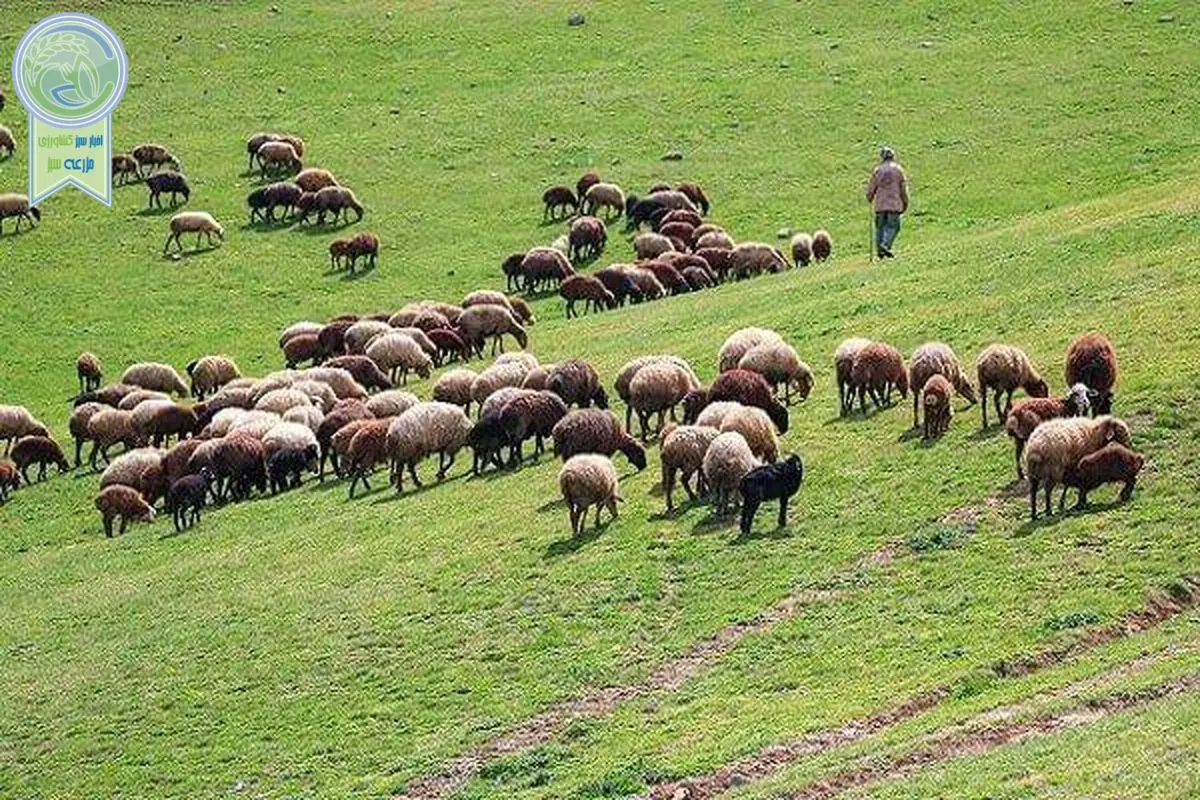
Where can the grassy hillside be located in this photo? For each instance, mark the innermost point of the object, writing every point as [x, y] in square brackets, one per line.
[309, 646]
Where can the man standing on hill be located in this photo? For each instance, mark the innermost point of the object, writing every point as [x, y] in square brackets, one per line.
[888, 194]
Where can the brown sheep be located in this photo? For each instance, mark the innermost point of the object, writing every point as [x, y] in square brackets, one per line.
[593, 430]
[40, 450]
[822, 247]
[544, 265]
[1092, 361]
[677, 230]
[743, 386]
[17, 205]
[511, 267]
[155, 156]
[558, 198]
[936, 358]
[935, 397]
[876, 370]
[577, 383]
[87, 368]
[479, 323]
[585, 182]
[1112, 463]
[586, 288]
[719, 260]
[124, 167]
[363, 245]
[1026, 415]
[9, 479]
[305, 347]
[1003, 369]
[586, 238]
[121, 502]
[696, 194]
[363, 370]
[683, 215]
[314, 179]
[450, 346]
[530, 415]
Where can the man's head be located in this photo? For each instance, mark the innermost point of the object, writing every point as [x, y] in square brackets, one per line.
[886, 153]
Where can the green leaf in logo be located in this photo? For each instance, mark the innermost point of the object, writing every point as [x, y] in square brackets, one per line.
[86, 81]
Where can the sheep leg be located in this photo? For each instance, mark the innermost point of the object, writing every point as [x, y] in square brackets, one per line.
[78, 452]
[1049, 490]
[1020, 448]
[1033, 506]
[669, 485]
[108, 526]
[444, 468]
[916, 390]
[749, 509]
[862, 400]
[783, 501]
[412, 471]
[124, 522]
[983, 402]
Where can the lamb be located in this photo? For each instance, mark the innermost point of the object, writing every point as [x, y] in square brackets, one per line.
[391, 403]
[1092, 361]
[822, 246]
[185, 499]
[616, 283]
[277, 157]
[656, 389]
[15, 422]
[200, 223]
[719, 260]
[556, 198]
[843, 366]
[755, 427]
[239, 466]
[478, 323]
[167, 182]
[770, 482]
[210, 373]
[156, 377]
[10, 480]
[727, 460]
[935, 398]
[293, 437]
[78, 423]
[543, 265]
[121, 502]
[1026, 415]
[1110, 464]
[714, 240]
[106, 428]
[455, 387]
[278, 401]
[360, 334]
[781, 366]
[314, 179]
[398, 353]
[648, 286]
[936, 358]
[741, 342]
[155, 156]
[577, 383]
[594, 430]
[746, 387]
[588, 480]
[335, 199]
[876, 369]
[511, 267]
[363, 245]
[755, 258]
[424, 429]
[40, 450]
[532, 414]
[627, 373]
[586, 238]
[649, 245]
[683, 449]
[695, 193]
[364, 369]
[141, 470]
[1003, 368]
[585, 182]
[1057, 445]
[17, 205]
[448, 347]
[604, 195]
[802, 249]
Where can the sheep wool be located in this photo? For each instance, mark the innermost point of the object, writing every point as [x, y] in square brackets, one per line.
[683, 449]
[585, 481]
[802, 249]
[757, 429]
[741, 342]
[309, 416]
[290, 436]
[936, 358]
[156, 377]
[454, 386]
[424, 429]
[399, 354]
[714, 414]
[1004, 369]
[124, 503]
[935, 398]
[727, 460]
[495, 377]
[210, 373]
[1057, 445]
[279, 401]
[593, 430]
[649, 245]
[1092, 361]
[780, 365]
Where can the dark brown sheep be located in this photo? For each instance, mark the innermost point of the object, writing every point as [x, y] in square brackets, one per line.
[618, 284]
[740, 385]
[586, 238]
[585, 182]
[1092, 361]
[696, 194]
[558, 198]
[577, 383]
[164, 183]
[339, 252]
[174, 420]
[40, 450]
[368, 449]
[530, 415]
[544, 265]
[175, 463]
[822, 245]
[1026, 415]
[239, 466]
[698, 278]
[124, 167]
[935, 397]
[121, 502]
[719, 260]
[154, 156]
[588, 289]
[363, 245]
[511, 267]
[877, 370]
[364, 370]
[331, 341]
[334, 421]
[594, 430]
[304, 347]
[450, 346]
[10, 479]
[1113, 463]
[671, 278]
[684, 215]
[678, 231]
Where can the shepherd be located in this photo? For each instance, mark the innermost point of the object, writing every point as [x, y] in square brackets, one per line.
[887, 192]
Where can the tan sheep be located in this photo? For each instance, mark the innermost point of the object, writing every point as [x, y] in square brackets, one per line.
[742, 341]
[454, 387]
[756, 428]
[727, 460]
[656, 389]
[779, 363]
[17, 205]
[398, 353]
[683, 449]
[936, 358]
[277, 157]
[479, 323]
[155, 376]
[1057, 445]
[843, 364]
[588, 480]
[200, 223]
[1003, 369]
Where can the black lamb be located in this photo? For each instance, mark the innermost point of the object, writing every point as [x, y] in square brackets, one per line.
[770, 482]
[285, 468]
[164, 183]
[487, 439]
[186, 497]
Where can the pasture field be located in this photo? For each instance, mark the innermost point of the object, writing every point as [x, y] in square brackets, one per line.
[429, 644]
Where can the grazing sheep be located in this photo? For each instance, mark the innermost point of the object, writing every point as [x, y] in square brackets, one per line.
[17, 205]
[363, 245]
[588, 480]
[210, 373]
[337, 200]
[531, 414]
[754, 258]
[228, 397]
[164, 183]
[1026, 415]
[107, 428]
[544, 265]
[367, 448]
[936, 358]
[222, 422]
[802, 249]
[10, 480]
[513, 274]
[291, 437]
[487, 297]
[727, 460]
[87, 368]
[264, 200]
[1110, 464]
[741, 342]
[535, 379]
[627, 373]
[647, 284]
[680, 234]
[78, 426]
[615, 282]
[714, 240]
[156, 377]
[176, 462]
[155, 156]
[478, 323]
[331, 339]
[124, 167]
[285, 468]
[339, 380]
[398, 353]
[279, 401]
[167, 421]
[671, 279]
[1092, 361]
[588, 289]
[314, 179]
[577, 383]
[141, 470]
[239, 467]
[337, 420]
[714, 414]
[309, 416]
[1057, 445]
[683, 449]
[487, 440]
[366, 370]
[935, 398]
[604, 195]
[683, 215]
[718, 259]
[277, 157]
[425, 429]
[746, 387]
[6, 141]
[255, 424]
[647, 210]
[298, 328]
[391, 403]
[305, 347]
[448, 347]
[696, 194]
[556, 198]
[779, 363]
[822, 246]
[699, 277]
[40, 450]
[586, 238]
[843, 366]
[656, 389]
[593, 430]
[15, 422]
[585, 182]
[185, 499]
[121, 502]
[770, 482]
[649, 245]
[360, 334]
[200, 223]
[455, 387]
[755, 427]
[876, 369]
[256, 141]
[497, 400]
[135, 398]
[341, 440]
[1003, 369]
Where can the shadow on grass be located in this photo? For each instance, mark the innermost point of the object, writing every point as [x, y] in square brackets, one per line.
[410, 491]
[713, 523]
[784, 532]
[357, 274]
[156, 211]
[266, 226]
[176, 255]
[987, 434]
[573, 544]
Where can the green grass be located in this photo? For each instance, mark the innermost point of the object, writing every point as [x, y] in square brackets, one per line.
[309, 646]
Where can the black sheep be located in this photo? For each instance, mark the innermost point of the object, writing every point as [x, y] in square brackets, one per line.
[186, 497]
[284, 469]
[638, 211]
[164, 182]
[487, 439]
[770, 482]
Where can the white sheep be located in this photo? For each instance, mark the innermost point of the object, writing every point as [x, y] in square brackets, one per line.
[779, 364]
[156, 377]
[726, 462]
[604, 195]
[278, 401]
[424, 429]
[360, 334]
[309, 416]
[319, 393]
[290, 436]
[200, 223]
[391, 403]
[222, 422]
[588, 480]
[399, 353]
[742, 341]
[1057, 445]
